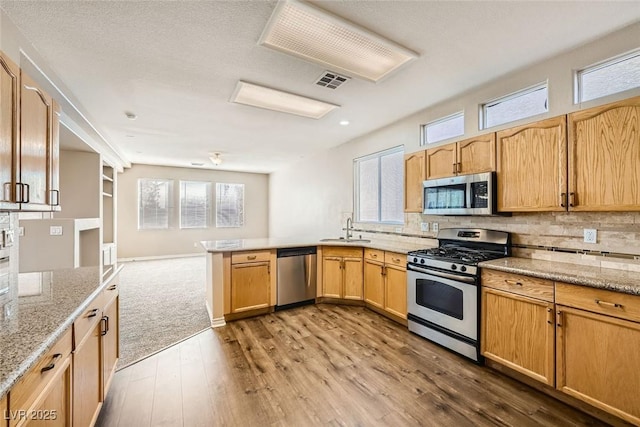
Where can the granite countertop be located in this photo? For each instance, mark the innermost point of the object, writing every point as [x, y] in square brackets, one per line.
[577, 274]
[43, 307]
[234, 245]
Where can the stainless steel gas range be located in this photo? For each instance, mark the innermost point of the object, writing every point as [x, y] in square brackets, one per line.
[443, 287]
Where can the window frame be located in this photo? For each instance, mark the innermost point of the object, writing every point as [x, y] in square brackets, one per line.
[208, 207]
[513, 95]
[578, 86]
[242, 221]
[356, 182]
[424, 128]
[169, 197]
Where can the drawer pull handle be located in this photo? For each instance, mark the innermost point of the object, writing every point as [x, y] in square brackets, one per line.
[93, 313]
[51, 365]
[251, 257]
[112, 287]
[608, 304]
[512, 282]
[395, 259]
[374, 255]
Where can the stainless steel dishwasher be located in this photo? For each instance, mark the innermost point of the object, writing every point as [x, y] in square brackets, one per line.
[297, 275]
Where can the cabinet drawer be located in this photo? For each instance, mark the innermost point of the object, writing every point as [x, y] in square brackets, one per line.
[253, 256]
[24, 393]
[374, 255]
[611, 303]
[395, 258]
[342, 251]
[518, 284]
[109, 293]
[87, 320]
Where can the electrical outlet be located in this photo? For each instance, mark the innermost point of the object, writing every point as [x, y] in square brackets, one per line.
[398, 229]
[590, 235]
[20, 231]
[55, 230]
[434, 227]
[424, 226]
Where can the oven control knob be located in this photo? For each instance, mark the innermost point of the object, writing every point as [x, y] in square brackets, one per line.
[415, 260]
[422, 261]
[454, 267]
[463, 268]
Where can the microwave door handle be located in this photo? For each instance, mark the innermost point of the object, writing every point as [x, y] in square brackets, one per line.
[468, 196]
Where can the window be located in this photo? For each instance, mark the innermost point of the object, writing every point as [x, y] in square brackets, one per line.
[229, 205]
[154, 203]
[519, 105]
[612, 76]
[379, 180]
[444, 128]
[195, 204]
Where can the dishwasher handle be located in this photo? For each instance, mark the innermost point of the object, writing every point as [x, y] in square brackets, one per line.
[289, 252]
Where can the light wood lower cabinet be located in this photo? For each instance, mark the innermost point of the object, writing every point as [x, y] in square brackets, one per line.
[385, 281]
[4, 410]
[342, 273]
[42, 397]
[110, 342]
[87, 373]
[518, 332]
[250, 286]
[597, 348]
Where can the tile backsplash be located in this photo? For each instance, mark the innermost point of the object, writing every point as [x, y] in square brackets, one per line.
[557, 236]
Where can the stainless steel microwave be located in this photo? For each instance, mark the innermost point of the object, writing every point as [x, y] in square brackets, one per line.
[461, 195]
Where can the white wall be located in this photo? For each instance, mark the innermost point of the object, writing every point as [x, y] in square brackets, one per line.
[313, 194]
[134, 243]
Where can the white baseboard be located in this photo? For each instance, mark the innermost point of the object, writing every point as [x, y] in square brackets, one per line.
[218, 322]
[151, 258]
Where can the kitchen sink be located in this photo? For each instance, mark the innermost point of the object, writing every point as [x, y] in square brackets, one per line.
[343, 240]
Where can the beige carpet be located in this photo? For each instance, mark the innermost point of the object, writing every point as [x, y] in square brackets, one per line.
[161, 303]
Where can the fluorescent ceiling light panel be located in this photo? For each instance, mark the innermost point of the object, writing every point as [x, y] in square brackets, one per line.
[272, 99]
[305, 31]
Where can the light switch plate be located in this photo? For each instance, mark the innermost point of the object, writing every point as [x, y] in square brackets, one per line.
[424, 226]
[55, 230]
[20, 231]
[434, 227]
[590, 235]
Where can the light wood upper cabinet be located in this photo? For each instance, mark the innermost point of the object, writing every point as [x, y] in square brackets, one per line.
[473, 155]
[476, 155]
[441, 161]
[532, 167]
[604, 157]
[53, 176]
[414, 173]
[9, 131]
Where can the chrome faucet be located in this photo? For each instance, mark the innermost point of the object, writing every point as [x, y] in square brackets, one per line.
[349, 228]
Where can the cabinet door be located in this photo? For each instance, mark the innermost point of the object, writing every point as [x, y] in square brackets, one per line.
[54, 410]
[374, 283]
[441, 161]
[353, 286]
[414, 174]
[518, 332]
[110, 343]
[53, 176]
[87, 388]
[396, 291]
[9, 131]
[35, 143]
[598, 361]
[476, 155]
[532, 167]
[604, 157]
[250, 286]
[332, 277]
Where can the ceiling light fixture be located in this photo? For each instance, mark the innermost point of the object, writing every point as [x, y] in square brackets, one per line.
[130, 115]
[276, 100]
[344, 122]
[314, 34]
[216, 159]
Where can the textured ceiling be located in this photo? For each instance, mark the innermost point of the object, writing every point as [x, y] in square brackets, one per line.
[176, 64]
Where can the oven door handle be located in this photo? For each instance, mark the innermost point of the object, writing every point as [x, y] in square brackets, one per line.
[465, 279]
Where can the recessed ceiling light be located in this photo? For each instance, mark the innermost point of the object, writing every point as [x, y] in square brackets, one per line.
[310, 33]
[272, 99]
[130, 115]
[344, 122]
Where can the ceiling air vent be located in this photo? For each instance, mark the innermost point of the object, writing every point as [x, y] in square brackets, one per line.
[331, 80]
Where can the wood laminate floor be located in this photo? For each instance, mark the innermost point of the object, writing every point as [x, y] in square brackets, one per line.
[321, 365]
